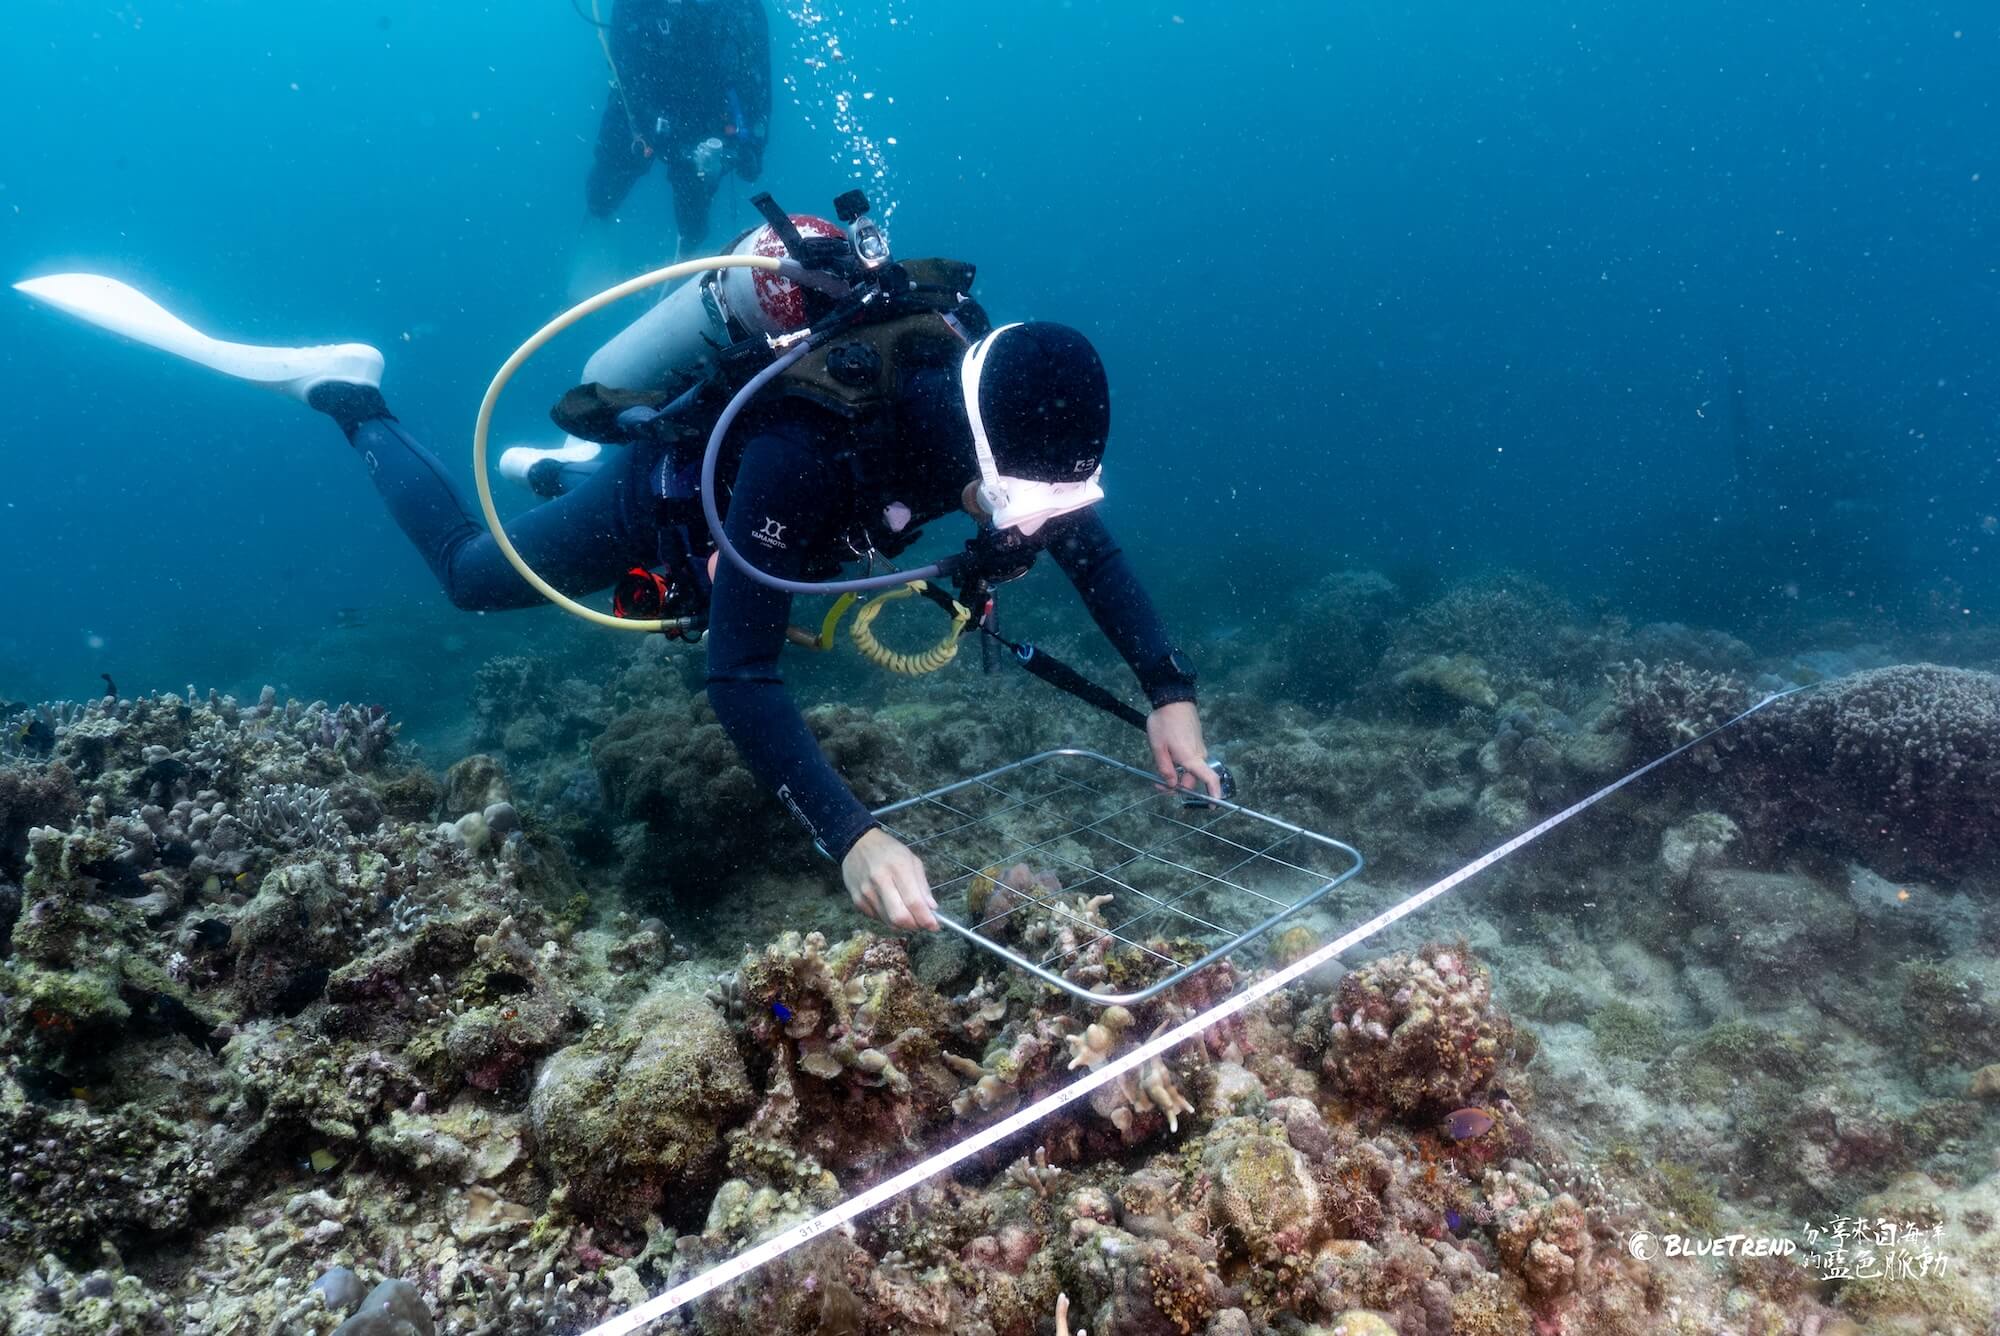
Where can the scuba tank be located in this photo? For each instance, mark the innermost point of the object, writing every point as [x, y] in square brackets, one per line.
[675, 345]
[824, 311]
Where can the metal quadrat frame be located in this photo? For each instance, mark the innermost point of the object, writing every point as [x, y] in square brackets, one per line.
[1210, 876]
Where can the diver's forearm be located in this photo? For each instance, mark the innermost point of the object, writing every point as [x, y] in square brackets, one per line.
[780, 751]
[1120, 606]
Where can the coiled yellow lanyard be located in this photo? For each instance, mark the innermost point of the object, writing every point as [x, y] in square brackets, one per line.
[909, 665]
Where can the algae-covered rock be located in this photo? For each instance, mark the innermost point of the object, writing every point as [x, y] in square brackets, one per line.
[631, 1122]
[1447, 682]
[393, 1308]
[1264, 1193]
[1696, 845]
[473, 785]
[1770, 929]
[305, 919]
[43, 796]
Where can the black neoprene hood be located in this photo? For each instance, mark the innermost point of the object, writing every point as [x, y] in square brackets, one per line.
[1045, 403]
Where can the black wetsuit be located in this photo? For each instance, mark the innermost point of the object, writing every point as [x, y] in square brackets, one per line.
[688, 70]
[795, 501]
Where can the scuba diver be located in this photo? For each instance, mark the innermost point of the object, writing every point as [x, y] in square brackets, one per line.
[690, 90]
[844, 405]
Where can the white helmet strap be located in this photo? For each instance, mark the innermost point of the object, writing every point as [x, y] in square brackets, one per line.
[1022, 504]
[992, 493]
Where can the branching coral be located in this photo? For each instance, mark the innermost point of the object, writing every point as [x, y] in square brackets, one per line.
[1040, 1176]
[1098, 1039]
[1670, 704]
[296, 815]
[1899, 766]
[1135, 1095]
[1022, 1055]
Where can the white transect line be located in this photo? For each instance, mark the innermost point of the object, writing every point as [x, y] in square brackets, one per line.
[724, 1273]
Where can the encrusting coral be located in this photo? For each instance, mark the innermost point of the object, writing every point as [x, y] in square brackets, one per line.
[1416, 1034]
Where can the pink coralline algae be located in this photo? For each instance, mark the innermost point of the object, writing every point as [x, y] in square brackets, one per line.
[1415, 1033]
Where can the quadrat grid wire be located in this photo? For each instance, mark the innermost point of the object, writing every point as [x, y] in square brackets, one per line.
[1202, 878]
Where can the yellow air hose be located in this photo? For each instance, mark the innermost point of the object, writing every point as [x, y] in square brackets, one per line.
[909, 665]
[484, 425]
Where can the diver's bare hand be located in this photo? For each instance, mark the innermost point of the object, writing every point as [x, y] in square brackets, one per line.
[1179, 754]
[887, 882]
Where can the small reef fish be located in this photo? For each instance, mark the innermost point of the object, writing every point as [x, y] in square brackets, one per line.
[36, 737]
[1464, 1124]
[782, 1012]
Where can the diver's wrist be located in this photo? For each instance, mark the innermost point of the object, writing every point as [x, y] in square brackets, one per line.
[1169, 679]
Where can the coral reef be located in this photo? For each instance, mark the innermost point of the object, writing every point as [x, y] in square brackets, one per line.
[1899, 767]
[1333, 638]
[1415, 1033]
[299, 1035]
[1671, 704]
[668, 770]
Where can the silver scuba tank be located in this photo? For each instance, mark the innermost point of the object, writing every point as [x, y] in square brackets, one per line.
[674, 344]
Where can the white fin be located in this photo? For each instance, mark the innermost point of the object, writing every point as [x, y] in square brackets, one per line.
[516, 460]
[123, 309]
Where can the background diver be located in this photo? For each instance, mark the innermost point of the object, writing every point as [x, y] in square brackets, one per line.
[830, 463]
[691, 91]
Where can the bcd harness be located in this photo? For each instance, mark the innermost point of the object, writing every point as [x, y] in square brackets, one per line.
[924, 322]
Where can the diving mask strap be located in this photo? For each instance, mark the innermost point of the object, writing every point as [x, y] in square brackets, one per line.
[1021, 504]
[992, 492]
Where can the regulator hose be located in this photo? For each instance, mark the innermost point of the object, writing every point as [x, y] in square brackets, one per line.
[484, 425]
[862, 632]
[863, 585]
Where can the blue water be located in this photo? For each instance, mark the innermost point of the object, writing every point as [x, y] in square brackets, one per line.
[1445, 286]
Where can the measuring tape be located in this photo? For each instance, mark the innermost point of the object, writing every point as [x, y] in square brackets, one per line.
[724, 1273]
